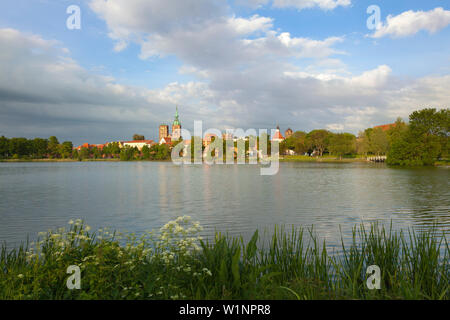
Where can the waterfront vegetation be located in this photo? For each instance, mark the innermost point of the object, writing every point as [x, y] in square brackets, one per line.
[175, 263]
[423, 141]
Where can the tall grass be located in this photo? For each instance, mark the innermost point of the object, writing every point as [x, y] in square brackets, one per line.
[175, 263]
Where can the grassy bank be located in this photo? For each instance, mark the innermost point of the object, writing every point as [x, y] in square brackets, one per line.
[329, 159]
[174, 263]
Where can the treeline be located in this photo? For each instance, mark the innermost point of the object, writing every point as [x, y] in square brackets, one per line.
[421, 142]
[127, 153]
[38, 148]
[155, 152]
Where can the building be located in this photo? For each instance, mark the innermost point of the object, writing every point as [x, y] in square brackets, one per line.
[385, 127]
[277, 136]
[176, 127]
[91, 146]
[137, 144]
[163, 131]
[288, 133]
[166, 140]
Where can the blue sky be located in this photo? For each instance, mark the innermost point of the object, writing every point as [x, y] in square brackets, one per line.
[226, 63]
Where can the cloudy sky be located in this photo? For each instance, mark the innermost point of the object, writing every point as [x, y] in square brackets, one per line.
[302, 64]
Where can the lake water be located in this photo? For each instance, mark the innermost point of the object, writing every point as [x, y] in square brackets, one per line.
[140, 196]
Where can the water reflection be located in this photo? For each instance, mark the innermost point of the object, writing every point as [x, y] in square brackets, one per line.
[139, 196]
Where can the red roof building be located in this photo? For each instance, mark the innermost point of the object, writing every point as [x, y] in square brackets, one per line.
[278, 136]
[385, 127]
[166, 140]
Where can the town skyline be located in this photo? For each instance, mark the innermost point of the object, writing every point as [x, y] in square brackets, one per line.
[166, 136]
[236, 64]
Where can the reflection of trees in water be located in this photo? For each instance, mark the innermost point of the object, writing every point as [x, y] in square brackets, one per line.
[428, 192]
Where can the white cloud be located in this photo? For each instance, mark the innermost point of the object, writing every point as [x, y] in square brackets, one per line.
[44, 92]
[248, 75]
[335, 127]
[304, 4]
[253, 24]
[298, 4]
[411, 22]
[213, 40]
[252, 3]
[369, 79]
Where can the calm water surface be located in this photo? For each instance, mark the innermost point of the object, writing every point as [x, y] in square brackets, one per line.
[140, 196]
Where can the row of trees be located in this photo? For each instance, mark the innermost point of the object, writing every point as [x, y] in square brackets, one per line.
[114, 151]
[319, 142]
[38, 148]
[421, 142]
[155, 152]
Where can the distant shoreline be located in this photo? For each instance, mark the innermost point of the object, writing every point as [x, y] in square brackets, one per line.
[282, 159]
[321, 159]
[55, 160]
[305, 159]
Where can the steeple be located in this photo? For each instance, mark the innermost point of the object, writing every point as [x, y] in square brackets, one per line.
[176, 122]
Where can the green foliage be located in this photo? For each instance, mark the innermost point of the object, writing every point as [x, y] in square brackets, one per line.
[296, 142]
[424, 141]
[175, 263]
[318, 140]
[53, 147]
[127, 153]
[4, 147]
[138, 137]
[65, 149]
[160, 152]
[40, 148]
[20, 147]
[342, 144]
[145, 152]
[111, 150]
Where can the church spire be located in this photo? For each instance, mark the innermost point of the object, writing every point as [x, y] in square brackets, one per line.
[176, 122]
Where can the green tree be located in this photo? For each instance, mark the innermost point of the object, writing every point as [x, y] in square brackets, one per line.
[296, 143]
[318, 140]
[84, 153]
[127, 153]
[112, 150]
[145, 152]
[424, 141]
[4, 147]
[65, 149]
[160, 152]
[396, 132]
[19, 147]
[138, 137]
[53, 147]
[76, 154]
[433, 128]
[362, 143]
[96, 153]
[342, 144]
[40, 148]
[378, 141]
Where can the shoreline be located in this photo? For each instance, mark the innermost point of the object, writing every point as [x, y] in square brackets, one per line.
[305, 159]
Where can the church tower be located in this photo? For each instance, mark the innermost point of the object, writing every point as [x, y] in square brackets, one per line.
[176, 127]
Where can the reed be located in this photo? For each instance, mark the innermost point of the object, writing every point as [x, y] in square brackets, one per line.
[175, 263]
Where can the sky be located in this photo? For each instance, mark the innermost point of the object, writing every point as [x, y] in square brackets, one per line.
[302, 64]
